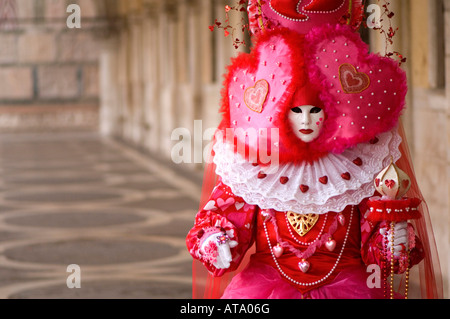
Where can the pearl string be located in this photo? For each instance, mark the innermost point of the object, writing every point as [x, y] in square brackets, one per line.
[302, 243]
[283, 16]
[327, 275]
[307, 17]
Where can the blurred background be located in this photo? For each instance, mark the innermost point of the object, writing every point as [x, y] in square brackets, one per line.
[86, 120]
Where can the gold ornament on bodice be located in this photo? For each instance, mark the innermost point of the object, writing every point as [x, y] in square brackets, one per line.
[302, 224]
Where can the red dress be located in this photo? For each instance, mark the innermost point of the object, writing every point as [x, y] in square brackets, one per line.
[335, 252]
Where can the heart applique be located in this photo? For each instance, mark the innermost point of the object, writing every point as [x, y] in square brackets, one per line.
[211, 205]
[254, 97]
[304, 266]
[304, 188]
[365, 227]
[353, 82]
[363, 93]
[324, 180]
[390, 183]
[358, 162]
[262, 175]
[405, 183]
[330, 244]
[223, 205]
[278, 251]
[239, 205]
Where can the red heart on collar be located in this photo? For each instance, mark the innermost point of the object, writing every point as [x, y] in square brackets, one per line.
[262, 175]
[304, 188]
[358, 162]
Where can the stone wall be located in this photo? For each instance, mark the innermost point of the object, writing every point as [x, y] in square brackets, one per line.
[49, 72]
[163, 70]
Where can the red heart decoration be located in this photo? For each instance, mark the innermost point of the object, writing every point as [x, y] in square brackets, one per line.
[358, 162]
[377, 182]
[254, 97]
[353, 82]
[330, 244]
[324, 180]
[346, 176]
[284, 180]
[262, 175]
[390, 183]
[278, 251]
[405, 183]
[304, 266]
[304, 188]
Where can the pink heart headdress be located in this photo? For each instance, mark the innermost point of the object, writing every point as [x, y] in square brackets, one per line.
[362, 94]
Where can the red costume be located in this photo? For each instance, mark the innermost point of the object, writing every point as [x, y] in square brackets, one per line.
[300, 190]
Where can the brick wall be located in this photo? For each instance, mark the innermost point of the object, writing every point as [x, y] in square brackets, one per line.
[48, 71]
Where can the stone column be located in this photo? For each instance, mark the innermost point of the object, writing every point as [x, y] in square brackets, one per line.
[447, 94]
[109, 113]
[135, 63]
[151, 73]
[168, 47]
[122, 83]
[186, 83]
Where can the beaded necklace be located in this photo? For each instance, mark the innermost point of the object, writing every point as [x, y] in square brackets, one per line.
[303, 255]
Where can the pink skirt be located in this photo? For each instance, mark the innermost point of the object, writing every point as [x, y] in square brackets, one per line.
[260, 281]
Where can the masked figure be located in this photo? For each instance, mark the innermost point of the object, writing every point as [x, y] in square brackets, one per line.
[310, 117]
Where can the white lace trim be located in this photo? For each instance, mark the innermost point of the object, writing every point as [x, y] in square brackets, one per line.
[270, 193]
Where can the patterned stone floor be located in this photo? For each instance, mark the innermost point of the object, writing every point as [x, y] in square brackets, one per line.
[120, 215]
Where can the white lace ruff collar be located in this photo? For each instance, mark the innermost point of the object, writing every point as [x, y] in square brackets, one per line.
[327, 185]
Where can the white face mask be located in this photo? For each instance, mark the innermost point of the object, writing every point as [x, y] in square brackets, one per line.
[306, 122]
